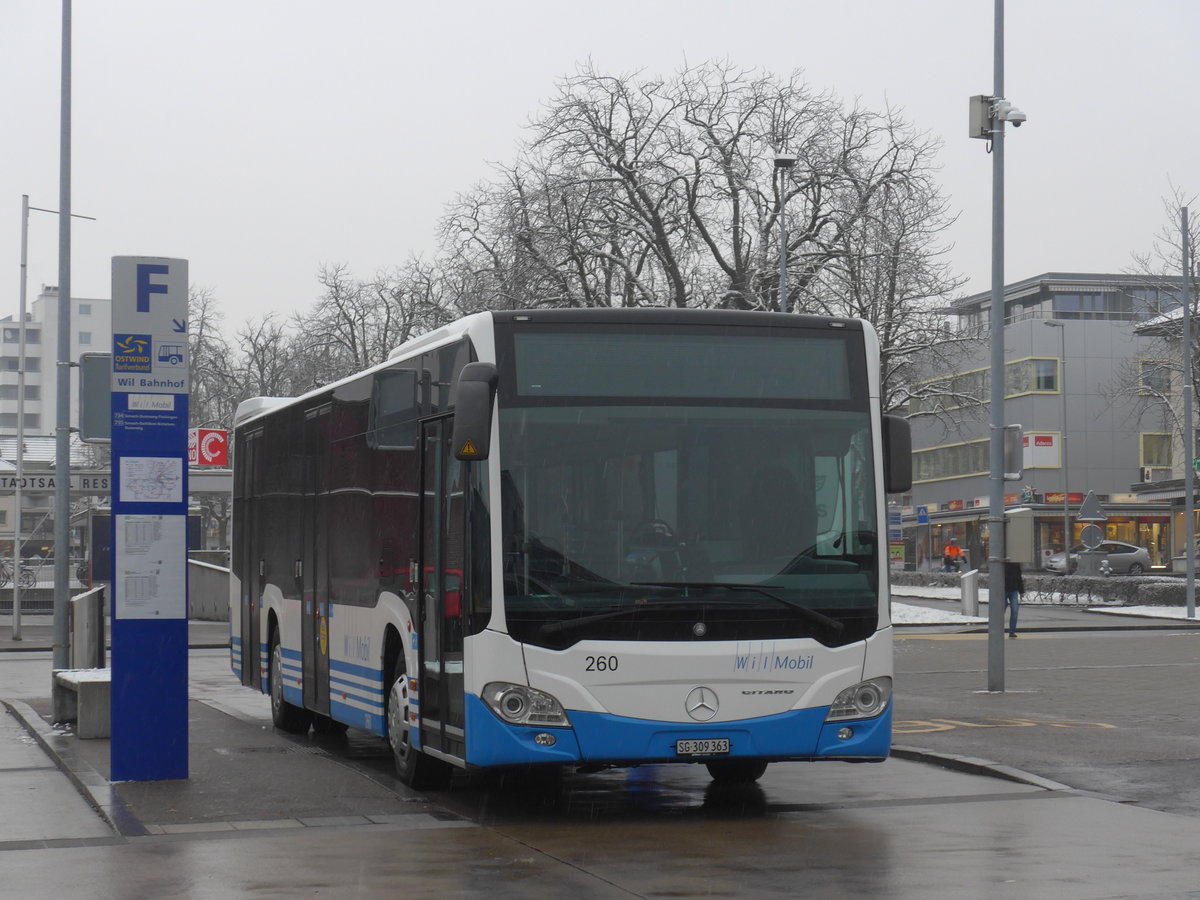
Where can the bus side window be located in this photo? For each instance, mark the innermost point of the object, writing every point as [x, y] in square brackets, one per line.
[395, 409]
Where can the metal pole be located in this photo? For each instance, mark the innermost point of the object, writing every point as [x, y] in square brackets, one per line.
[1062, 386]
[17, 499]
[783, 285]
[62, 453]
[996, 550]
[1189, 438]
[1066, 474]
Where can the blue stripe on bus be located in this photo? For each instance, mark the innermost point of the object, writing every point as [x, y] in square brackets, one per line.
[599, 737]
[372, 722]
[339, 691]
[336, 665]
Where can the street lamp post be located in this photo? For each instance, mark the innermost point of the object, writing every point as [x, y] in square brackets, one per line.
[783, 162]
[1062, 387]
[20, 450]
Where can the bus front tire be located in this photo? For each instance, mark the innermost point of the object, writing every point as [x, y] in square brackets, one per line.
[416, 769]
[736, 771]
[286, 716]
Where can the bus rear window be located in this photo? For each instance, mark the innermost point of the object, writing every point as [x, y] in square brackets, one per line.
[718, 364]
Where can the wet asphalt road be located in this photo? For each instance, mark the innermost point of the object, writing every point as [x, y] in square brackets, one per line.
[265, 814]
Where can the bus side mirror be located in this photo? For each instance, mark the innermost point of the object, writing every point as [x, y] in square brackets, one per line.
[897, 455]
[473, 411]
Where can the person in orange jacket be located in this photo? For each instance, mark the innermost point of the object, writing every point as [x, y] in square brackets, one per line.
[952, 556]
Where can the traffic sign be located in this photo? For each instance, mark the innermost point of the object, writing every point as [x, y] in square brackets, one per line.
[1090, 510]
[1091, 536]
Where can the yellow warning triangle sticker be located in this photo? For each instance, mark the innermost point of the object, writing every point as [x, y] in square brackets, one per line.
[468, 449]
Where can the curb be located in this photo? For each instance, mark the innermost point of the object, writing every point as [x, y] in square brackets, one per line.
[92, 786]
[971, 765]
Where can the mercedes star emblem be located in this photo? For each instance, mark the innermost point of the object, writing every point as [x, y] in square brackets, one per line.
[701, 704]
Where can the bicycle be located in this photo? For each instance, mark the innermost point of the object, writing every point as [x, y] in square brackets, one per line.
[28, 579]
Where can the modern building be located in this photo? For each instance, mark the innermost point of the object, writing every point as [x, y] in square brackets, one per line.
[91, 331]
[1074, 366]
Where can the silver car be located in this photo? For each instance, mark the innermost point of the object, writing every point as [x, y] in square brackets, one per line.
[1121, 557]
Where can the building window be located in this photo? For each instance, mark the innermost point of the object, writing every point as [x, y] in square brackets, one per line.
[1156, 450]
[8, 392]
[13, 364]
[1027, 376]
[1154, 377]
[954, 461]
[33, 392]
[33, 421]
[85, 337]
[85, 309]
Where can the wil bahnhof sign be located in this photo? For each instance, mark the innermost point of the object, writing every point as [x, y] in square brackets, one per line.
[149, 518]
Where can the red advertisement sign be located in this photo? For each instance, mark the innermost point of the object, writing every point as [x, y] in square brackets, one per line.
[954, 505]
[208, 447]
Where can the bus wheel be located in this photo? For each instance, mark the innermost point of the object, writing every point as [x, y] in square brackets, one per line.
[414, 768]
[736, 771]
[289, 718]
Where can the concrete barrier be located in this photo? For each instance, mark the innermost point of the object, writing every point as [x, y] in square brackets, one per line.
[84, 696]
[208, 592]
[87, 623]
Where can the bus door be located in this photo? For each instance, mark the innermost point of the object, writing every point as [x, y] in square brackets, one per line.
[249, 564]
[313, 565]
[442, 589]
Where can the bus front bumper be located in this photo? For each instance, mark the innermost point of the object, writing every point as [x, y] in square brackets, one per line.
[603, 739]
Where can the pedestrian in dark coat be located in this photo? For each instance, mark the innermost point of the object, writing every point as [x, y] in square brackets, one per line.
[1014, 593]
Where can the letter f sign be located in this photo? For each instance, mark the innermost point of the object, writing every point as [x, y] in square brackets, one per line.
[145, 288]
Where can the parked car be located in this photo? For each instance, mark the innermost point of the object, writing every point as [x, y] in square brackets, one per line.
[1121, 557]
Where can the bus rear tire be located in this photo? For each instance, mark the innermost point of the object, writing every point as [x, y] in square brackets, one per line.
[286, 716]
[416, 769]
[736, 771]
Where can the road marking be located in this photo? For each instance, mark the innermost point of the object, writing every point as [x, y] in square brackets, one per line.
[930, 726]
[982, 636]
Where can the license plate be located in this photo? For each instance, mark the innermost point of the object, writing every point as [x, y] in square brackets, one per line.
[705, 747]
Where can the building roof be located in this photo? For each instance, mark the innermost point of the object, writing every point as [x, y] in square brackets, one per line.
[40, 450]
[1068, 280]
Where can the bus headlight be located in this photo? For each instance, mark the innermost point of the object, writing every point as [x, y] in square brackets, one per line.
[865, 700]
[521, 705]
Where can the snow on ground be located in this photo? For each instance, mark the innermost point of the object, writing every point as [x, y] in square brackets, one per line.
[1157, 612]
[906, 614]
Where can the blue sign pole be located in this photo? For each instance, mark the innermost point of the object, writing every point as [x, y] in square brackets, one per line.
[149, 519]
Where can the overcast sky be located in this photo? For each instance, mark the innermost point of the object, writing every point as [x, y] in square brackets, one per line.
[261, 139]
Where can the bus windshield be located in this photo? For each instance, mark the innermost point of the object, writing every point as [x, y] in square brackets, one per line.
[658, 522]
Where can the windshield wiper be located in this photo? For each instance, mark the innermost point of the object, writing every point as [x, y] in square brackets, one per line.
[811, 614]
[570, 624]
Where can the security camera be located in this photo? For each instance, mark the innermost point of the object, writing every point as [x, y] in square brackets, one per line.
[1006, 112]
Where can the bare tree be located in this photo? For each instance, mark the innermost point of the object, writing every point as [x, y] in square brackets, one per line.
[642, 191]
[1154, 381]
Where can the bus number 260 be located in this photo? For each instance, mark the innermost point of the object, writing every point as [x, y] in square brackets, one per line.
[601, 664]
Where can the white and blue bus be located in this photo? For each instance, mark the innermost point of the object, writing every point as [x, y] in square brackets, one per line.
[586, 537]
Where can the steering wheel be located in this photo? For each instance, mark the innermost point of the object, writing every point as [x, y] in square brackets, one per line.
[654, 532]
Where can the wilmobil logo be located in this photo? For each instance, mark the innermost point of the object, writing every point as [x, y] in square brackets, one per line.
[131, 353]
